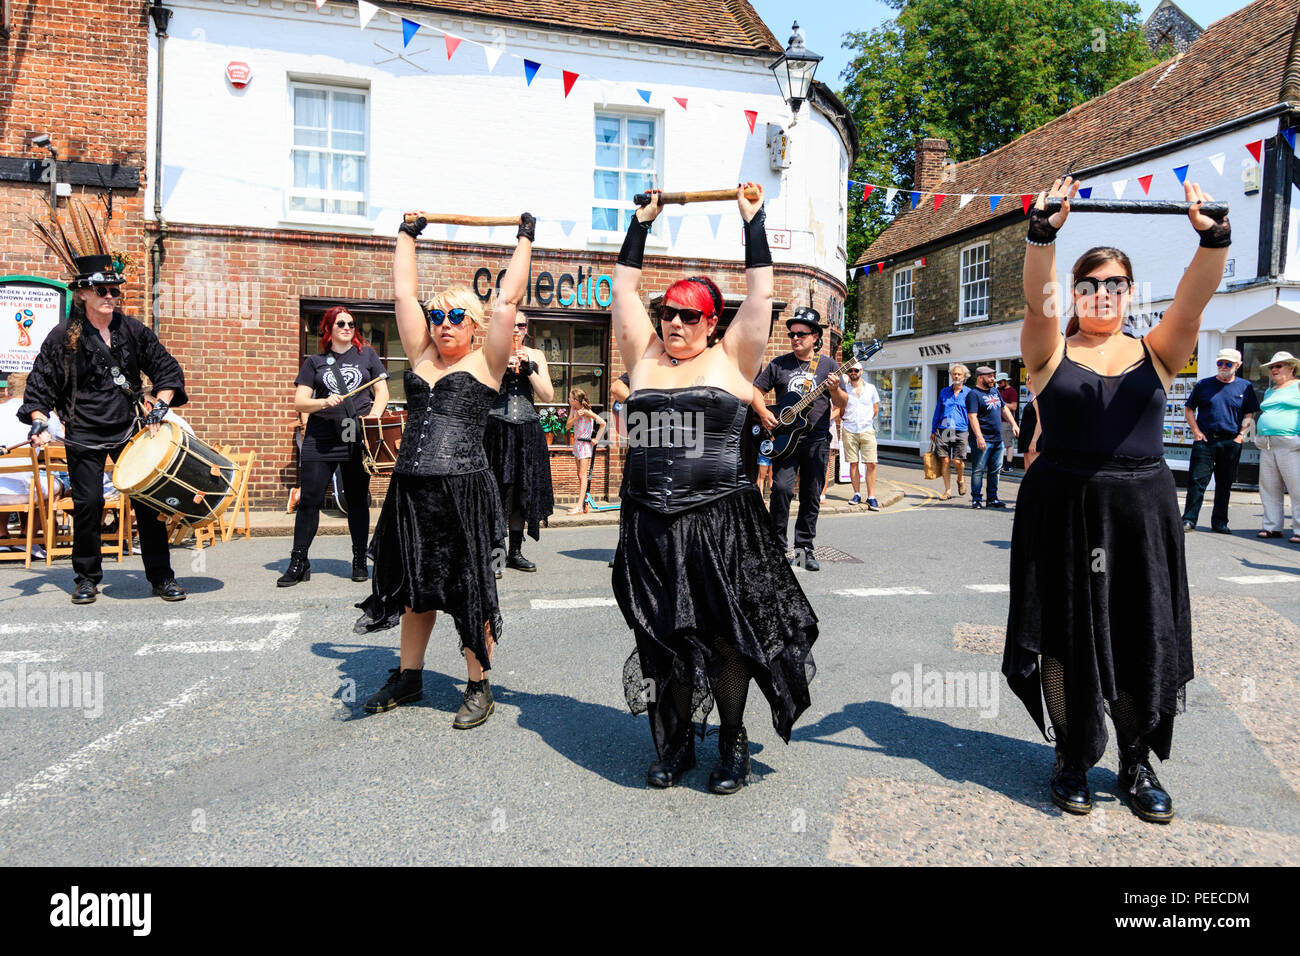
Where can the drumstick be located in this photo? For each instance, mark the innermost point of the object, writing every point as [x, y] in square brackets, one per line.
[1158, 207]
[708, 195]
[455, 219]
[361, 388]
[6, 449]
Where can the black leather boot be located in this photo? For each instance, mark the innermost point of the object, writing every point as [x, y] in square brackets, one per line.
[733, 760]
[515, 559]
[299, 570]
[403, 687]
[359, 572]
[1070, 785]
[678, 758]
[478, 705]
[1139, 786]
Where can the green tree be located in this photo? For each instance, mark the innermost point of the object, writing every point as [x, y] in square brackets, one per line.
[978, 74]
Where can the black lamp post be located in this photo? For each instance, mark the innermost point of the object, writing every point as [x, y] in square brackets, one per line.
[794, 70]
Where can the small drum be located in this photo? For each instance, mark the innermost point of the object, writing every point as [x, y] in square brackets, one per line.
[177, 473]
[383, 437]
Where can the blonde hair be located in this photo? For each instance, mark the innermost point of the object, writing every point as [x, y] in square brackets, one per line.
[459, 296]
[965, 372]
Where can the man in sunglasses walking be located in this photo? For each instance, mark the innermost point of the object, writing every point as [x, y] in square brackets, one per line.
[1218, 412]
[800, 371]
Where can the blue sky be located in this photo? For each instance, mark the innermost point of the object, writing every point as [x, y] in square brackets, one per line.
[825, 21]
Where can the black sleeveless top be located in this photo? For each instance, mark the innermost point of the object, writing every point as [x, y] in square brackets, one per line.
[684, 447]
[1104, 416]
[444, 425]
[514, 403]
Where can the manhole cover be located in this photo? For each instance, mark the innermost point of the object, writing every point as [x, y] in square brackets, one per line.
[830, 554]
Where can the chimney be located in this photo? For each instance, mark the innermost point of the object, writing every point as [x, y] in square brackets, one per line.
[930, 156]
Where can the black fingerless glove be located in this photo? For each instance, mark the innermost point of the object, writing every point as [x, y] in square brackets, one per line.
[1218, 236]
[633, 252]
[757, 254]
[39, 425]
[1041, 231]
[413, 229]
[527, 227]
[530, 368]
[156, 414]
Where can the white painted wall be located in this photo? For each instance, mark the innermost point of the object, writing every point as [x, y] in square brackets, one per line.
[462, 139]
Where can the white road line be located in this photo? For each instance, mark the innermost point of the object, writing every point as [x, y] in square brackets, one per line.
[989, 588]
[83, 759]
[879, 592]
[286, 625]
[209, 622]
[54, 627]
[1264, 579]
[28, 657]
[539, 604]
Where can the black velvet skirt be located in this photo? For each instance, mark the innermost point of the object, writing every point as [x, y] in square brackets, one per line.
[1099, 582]
[432, 551]
[713, 573]
[521, 461]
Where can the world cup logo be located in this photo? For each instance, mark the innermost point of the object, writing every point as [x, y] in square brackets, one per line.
[25, 318]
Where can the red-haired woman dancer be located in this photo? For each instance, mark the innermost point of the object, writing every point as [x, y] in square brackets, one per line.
[333, 437]
[700, 576]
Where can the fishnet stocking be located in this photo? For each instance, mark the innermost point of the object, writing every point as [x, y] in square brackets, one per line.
[731, 685]
[1054, 694]
[1124, 714]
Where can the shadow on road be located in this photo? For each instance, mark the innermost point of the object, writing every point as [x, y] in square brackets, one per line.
[603, 555]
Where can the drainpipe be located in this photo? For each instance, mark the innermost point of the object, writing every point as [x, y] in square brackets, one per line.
[161, 16]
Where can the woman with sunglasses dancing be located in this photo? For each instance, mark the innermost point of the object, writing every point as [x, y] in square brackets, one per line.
[699, 574]
[433, 544]
[1099, 618]
[332, 438]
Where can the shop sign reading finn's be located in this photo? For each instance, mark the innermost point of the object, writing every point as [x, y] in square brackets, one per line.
[28, 313]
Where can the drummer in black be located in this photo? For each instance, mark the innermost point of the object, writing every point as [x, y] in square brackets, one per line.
[516, 445]
[89, 370]
[332, 439]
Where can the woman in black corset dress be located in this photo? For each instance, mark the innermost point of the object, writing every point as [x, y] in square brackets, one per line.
[699, 574]
[442, 517]
[1100, 619]
[516, 445]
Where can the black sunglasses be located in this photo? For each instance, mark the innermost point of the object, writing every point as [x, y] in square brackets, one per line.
[1115, 285]
[345, 325]
[108, 291]
[455, 316]
[688, 316]
[800, 335]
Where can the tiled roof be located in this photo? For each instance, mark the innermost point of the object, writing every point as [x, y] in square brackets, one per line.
[727, 24]
[1235, 68]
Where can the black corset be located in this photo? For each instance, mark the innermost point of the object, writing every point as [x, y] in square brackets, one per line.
[514, 403]
[444, 425]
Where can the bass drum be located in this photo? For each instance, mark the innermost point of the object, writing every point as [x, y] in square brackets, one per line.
[177, 473]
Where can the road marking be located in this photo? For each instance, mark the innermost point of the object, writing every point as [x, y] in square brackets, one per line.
[83, 759]
[286, 625]
[207, 622]
[989, 588]
[879, 592]
[1264, 579]
[69, 627]
[540, 604]
[28, 657]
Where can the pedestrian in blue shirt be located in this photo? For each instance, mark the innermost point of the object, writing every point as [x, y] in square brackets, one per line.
[1218, 411]
[950, 427]
[986, 427]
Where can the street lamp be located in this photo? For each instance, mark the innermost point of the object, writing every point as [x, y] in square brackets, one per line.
[50, 173]
[794, 70]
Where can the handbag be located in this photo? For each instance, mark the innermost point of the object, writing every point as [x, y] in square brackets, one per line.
[930, 462]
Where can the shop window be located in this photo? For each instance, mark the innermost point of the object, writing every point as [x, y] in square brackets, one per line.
[329, 151]
[627, 162]
[901, 416]
[904, 303]
[975, 283]
[577, 352]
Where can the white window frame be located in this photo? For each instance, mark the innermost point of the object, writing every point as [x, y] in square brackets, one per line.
[963, 284]
[605, 237]
[896, 301]
[844, 208]
[302, 216]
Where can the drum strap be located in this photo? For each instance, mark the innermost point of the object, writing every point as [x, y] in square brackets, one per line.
[349, 407]
[119, 379]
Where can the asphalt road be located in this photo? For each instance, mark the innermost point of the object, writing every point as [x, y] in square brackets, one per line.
[230, 727]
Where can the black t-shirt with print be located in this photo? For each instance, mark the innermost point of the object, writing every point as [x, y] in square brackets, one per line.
[323, 440]
[785, 373]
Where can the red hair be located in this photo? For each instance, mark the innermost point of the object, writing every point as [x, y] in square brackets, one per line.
[697, 292]
[327, 329]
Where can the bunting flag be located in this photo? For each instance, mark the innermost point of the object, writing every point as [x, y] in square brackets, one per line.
[916, 198]
[965, 198]
[1289, 136]
[675, 226]
[993, 202]
[867, 190]
[1217, 162]
[681, 101]
[880, 267]
[1085, 192]
[1026, 200]
[938, 200]
[530, 70]
[1256, 149]
[366, 11]
[451, 42]
[409, 28]
[751, 117]
[569, 79]
[715, 220]
[1145, 183]
[493, 55]
[321, 3]
[568, 225]
[889, 196]
[1181, 173]
[644, 94]
[1118, 186]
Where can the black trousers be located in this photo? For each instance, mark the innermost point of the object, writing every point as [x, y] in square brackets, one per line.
[808, 461]
[86, 472]
[1218, 457]
[314, 476]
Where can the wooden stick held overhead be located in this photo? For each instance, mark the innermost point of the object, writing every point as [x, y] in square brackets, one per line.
[708, 195]
[1155, 207]
[455, 219]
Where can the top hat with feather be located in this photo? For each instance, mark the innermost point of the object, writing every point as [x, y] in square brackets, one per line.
[83, 248]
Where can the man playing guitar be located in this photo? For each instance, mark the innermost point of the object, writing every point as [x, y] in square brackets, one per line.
[800, 371]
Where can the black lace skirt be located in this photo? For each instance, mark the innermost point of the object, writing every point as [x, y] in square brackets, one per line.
[432, 550]
[1099, 582]
[716, 572]
[521, 461]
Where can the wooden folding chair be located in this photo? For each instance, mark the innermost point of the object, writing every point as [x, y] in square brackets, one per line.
[58, 512]
[21, 464]
[230, 517]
